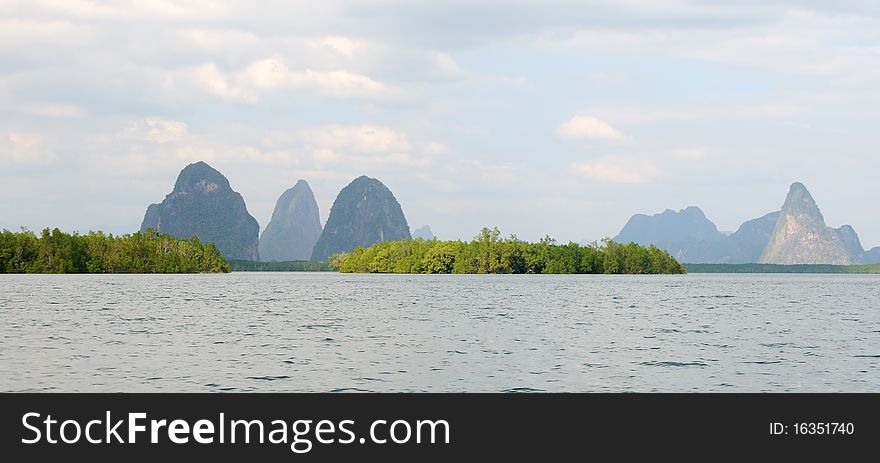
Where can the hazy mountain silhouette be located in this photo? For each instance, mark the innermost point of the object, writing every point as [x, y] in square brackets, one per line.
[795, 234]
[294, 228]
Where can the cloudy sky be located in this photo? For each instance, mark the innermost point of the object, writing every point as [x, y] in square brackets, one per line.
[552, 117]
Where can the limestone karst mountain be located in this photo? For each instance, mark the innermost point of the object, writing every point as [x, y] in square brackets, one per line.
[748, 242]
[796, 234]
[691, 237]
[801, 236]
[871, 256]
[365, 212]
[851, 242]
[294, 228]
[203, 204]
[687, 234]
[423, 232]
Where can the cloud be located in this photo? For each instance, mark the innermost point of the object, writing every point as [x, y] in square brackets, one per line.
[689, 154]
[342, 45]
[435, 147]
[155, 130]
[357, 138]
[209, 78]
[25, 149]
[272, 74]
[54, 111]
[339, 84]
[120, 10]
[362, 148]
[162, 131]
[615, 172]
[588, 128]
[780, 39]
[16, 33]
[339, 88]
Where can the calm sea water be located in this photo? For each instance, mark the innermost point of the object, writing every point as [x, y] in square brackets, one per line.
[334, 332]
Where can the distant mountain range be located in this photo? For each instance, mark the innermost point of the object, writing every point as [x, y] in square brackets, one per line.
[202, 203]
[796, 234]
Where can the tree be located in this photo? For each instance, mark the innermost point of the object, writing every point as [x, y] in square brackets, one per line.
[488, 253]
[58, 252]
[440, 258]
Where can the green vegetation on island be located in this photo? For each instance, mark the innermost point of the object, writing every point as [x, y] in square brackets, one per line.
[58, 252]
[490, 253]
[279, 266]
[780, 268]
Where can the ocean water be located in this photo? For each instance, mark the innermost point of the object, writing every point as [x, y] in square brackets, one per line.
[440, 333]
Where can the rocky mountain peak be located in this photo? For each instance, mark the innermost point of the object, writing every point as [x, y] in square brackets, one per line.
[851, 242]
[801, 236]
[204, 204]
[199, 177]
[365, 212]
[800, 199]
[295, 226]
[424, 232]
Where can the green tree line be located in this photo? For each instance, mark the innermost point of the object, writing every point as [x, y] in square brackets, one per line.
[58, 252]
[488, 252]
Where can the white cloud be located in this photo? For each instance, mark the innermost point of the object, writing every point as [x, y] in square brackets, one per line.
[435, 147]
[339, 84]
[617, 172]
[446, 64]
[55, 111]
[127, 9]
[787, 41]
[25, 149]
[216, 40]
[689, 154]
[273, 74]
[356, 138]
[342, 45]
[155, 130]
[209, 78]
[16, 33]
[589, 128]
[162, 131]
[266, 73]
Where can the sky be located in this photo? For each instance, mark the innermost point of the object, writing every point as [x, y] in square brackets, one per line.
[539, 117]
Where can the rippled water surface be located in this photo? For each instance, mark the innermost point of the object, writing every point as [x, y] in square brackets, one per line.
[335, 332]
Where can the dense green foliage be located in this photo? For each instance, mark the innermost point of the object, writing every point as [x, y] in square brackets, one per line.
[777, 268]
[279, 266]
[58, 252]
[489, 253]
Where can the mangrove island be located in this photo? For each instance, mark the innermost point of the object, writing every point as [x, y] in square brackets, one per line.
[488, 252]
